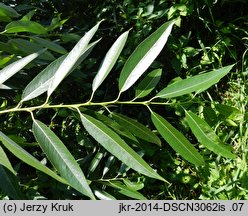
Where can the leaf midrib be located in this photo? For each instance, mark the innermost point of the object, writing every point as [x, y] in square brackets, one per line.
[177, 139]
[142, 59]
[148, 85]
[42, 167]
[189, 87]
[218, 146]
[137, 128]
[57, 152]
[121, 146]
[37, 89]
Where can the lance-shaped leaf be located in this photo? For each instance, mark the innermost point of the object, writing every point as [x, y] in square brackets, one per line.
[95, 162]
[23, 155]
[24, 46]
[49, 45]
[9, 184]
[133, 185]
[109, 60]
[148, 83]
[16, 66]
[116, 146]
[42, 81]
[196, 83]
[61, 158]
[4, 60]
[177, 140]
[136, 128]
[206, 136]
[119, 129]
[28, 16]
[108, 164]
[123, 189]
[229, 111]
[143, 56]
[103, 195]
[7, 11]
[5, 161]
[25, 26]
[71, 59]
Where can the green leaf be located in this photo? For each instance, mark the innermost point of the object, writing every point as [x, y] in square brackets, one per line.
[56, 23]
[5, 19]
[109, 60]
[42, 81]
[5, 60]
[136, 128]
[8, 48]
[148, 83]
[49, 45]
[16, 66]
[103, 195]
[121, 130]
[23, 155]
[7, 11]
[228, 111]
[177, 140]
[95, 162]
[28, 16]
[25, 26]
[124, 168]
[210, 116]
[123, 189]
[116, 146]
[27, 47]
[206, 136]
[196, 83]
[9, 184]
[143, 56]
[5, 161]
[61, 158]
[71, 59]
[133, 185]
[108, 164]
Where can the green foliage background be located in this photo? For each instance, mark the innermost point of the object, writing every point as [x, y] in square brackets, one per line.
[207, 35]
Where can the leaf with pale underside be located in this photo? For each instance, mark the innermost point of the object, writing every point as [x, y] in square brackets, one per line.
[71, 59]
[196, 83]
[206, 136]
[116, 146]
[23, 155]
[143, 56]
[16, 66]
[42, 81]
[103, 195]
[2, 86]
[61, 158]
[177, 140]
[109, 60]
